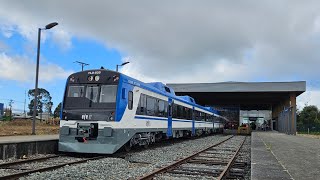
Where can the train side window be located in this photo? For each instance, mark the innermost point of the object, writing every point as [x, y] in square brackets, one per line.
[161, 108]
[142, 105]
[174, 111]
[156, 107]
[165, 109]
[130, 100]
[202, 116]
[179, 112]
[170, 110]
[198, 115]
[189, 114]
[150, 106]
[185, 113]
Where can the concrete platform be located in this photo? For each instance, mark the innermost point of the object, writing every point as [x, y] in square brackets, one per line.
[279, 156]
[18, 146]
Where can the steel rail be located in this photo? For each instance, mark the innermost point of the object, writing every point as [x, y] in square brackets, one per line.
[177, 163]
[7, 164]
[17, 175]
[227, 168]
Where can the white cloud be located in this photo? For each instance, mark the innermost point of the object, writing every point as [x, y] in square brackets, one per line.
[311, 97]
[179, 41]
[23, 70]
[28, 28]
[187, 41]
[62, 38]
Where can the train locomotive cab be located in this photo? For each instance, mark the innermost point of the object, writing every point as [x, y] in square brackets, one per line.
[88, 111]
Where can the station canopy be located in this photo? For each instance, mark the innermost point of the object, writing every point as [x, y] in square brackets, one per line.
[246, 95]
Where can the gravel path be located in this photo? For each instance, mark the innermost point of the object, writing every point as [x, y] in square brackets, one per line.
[134, 164]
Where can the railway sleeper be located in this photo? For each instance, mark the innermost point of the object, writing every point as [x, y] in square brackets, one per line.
[192, 161]
[194, 172]
[209, 169]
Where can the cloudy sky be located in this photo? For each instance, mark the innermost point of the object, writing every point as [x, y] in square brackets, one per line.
[168, 41]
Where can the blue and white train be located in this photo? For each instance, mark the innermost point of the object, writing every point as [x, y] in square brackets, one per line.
[103, 110]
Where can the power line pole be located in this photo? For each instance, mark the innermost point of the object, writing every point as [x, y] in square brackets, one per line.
[24, 104]
[82, 64]
[10, 105]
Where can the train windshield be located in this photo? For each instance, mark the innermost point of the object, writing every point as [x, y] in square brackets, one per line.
[108, 93]
[91, 95]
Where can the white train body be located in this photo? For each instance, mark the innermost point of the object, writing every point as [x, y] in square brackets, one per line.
[93, 121]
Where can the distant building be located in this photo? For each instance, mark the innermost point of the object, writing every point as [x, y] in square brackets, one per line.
[43, 116]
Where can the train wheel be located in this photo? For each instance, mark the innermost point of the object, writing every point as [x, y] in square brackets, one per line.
[127, 147]
[146, 146]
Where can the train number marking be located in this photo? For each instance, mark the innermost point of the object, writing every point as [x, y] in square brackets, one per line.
[86, 116]
[94, 72]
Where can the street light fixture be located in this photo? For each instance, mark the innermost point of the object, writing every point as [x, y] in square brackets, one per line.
[48, 26]
[122, 65]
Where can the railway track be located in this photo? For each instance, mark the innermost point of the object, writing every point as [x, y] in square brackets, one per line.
[21, 168]
[215, 162]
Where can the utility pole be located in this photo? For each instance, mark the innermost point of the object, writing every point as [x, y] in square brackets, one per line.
[82, 64]
[10, 105]
[24, 104]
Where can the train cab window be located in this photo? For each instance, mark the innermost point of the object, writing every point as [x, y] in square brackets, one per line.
[92, 93]
[130, 100]
[108, 93]
[76, 91]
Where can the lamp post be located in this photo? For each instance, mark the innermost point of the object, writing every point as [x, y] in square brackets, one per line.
[48, 26]
[121, 65]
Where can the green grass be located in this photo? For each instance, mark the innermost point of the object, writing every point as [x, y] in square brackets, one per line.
[311, 132]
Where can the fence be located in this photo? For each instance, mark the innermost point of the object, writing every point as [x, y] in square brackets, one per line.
[311, 128]
[285, 123]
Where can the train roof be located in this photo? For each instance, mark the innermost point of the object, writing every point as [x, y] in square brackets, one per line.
[157, 87]
[161, 88]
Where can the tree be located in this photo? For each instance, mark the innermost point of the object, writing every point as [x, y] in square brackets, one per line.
[308, 117]
[57, 111]
[44, 101]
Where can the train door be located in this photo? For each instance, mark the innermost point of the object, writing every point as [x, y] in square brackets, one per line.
[169, 130]
[193, 122]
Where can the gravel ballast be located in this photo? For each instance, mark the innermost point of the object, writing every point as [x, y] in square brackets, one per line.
[133, 165]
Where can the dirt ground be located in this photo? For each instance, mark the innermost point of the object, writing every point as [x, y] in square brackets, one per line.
[24, 127]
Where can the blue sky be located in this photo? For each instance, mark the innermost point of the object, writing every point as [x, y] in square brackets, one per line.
[92, 52]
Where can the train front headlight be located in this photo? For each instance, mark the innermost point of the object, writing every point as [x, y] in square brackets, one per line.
[90, 78]
[96, 78]
[111, 117]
